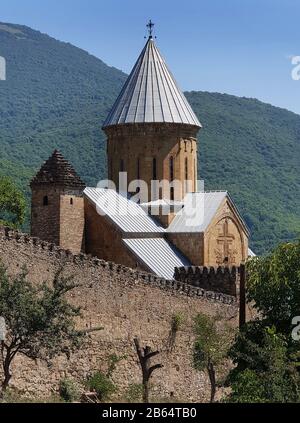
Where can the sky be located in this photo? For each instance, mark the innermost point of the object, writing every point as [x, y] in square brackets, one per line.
[239, 47]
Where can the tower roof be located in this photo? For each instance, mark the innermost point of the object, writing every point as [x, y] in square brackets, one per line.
[151, 94]
[57, 170]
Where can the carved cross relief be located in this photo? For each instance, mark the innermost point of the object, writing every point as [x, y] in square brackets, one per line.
[225, 254]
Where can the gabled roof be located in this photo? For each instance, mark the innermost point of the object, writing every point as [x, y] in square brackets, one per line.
[126, 214]
[158, 255]
[57, 170]
[151, 94]
[199, 210]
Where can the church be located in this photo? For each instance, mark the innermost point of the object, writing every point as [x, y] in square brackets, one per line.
[159, 218]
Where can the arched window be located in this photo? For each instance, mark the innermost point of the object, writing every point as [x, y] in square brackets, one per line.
[154, 169]
[171, 168]
[46, 201]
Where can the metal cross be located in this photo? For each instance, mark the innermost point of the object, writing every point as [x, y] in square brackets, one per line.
[150, 27]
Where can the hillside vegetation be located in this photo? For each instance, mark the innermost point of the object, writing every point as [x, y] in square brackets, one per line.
[57, 96]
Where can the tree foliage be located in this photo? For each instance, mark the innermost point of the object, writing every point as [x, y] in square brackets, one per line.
[40, 323]
[210, 348]
[12, 203]
[265, 371]
[274, 285]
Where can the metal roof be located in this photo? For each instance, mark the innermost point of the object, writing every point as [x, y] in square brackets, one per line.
[126, 214]
[151, 94]
[158, 255]
[198, 211]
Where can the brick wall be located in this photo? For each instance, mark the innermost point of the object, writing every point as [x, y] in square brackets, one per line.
[127, 303]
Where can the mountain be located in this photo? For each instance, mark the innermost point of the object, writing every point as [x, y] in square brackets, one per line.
[57, 96]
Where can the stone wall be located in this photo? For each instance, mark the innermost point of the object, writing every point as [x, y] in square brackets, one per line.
[127, 303]
[217, 279]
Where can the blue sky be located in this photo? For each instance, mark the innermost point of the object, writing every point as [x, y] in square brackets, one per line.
[240, 47]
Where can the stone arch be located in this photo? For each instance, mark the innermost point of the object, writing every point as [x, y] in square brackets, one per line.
[225, 242]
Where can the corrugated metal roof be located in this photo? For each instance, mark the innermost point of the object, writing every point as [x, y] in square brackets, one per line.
[198, 211]
[158, 255]
[151, 94]
[126, 214]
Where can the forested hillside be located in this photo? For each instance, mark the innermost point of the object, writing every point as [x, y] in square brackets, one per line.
[57, 96]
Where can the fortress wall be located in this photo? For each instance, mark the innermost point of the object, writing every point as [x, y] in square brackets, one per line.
[127, 303]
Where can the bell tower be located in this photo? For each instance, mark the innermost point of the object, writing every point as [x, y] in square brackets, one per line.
[152, 130]
[57, 205]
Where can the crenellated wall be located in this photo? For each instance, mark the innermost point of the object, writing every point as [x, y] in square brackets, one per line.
[218, 279]
[127, 303]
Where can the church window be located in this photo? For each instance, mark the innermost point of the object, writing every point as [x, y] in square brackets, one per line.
[171, 168]
[172, 196]
[186, 169]
[138, 169]
[154, 172]
[46, 201]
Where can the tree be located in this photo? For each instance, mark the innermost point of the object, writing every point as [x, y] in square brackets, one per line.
[12, 204]
[145, 355]
[274, 286]
[264, 372]
[209, 349]
[40, 323]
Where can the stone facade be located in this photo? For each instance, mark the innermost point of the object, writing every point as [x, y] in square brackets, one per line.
[104, 240]
[226, 238]
[133, 149]
[220, 279]
[127, 303]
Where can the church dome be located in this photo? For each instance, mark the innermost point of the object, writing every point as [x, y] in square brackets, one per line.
[151, 94]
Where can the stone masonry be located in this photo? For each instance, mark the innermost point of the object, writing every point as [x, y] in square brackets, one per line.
[126, 303]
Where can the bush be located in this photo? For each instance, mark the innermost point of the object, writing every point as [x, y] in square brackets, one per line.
[68, 390]
[134, 393]
[101, 384]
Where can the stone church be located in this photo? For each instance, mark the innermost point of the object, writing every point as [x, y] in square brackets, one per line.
[152, 137]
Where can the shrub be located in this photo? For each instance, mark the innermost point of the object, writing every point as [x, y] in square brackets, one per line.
[68, 390]
[101, 384]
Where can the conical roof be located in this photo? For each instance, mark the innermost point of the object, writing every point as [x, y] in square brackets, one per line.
[151, 94]
[57, 170]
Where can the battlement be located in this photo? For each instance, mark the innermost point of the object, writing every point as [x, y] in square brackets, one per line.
[221, 279]
[182, 286]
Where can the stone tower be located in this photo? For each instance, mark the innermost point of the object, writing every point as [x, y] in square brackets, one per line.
[152, 130]
[57, 207]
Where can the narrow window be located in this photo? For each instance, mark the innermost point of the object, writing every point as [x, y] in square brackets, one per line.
[171, 168]
[154, 171]
[122, 165]
[46, 201]
[186, 169]
[172, 194]
[71, 201]
[138, 169]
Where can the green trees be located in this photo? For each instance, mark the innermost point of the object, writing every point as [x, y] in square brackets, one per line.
[12, 204]
[266, 355]
[40, 323]
[210, 349]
